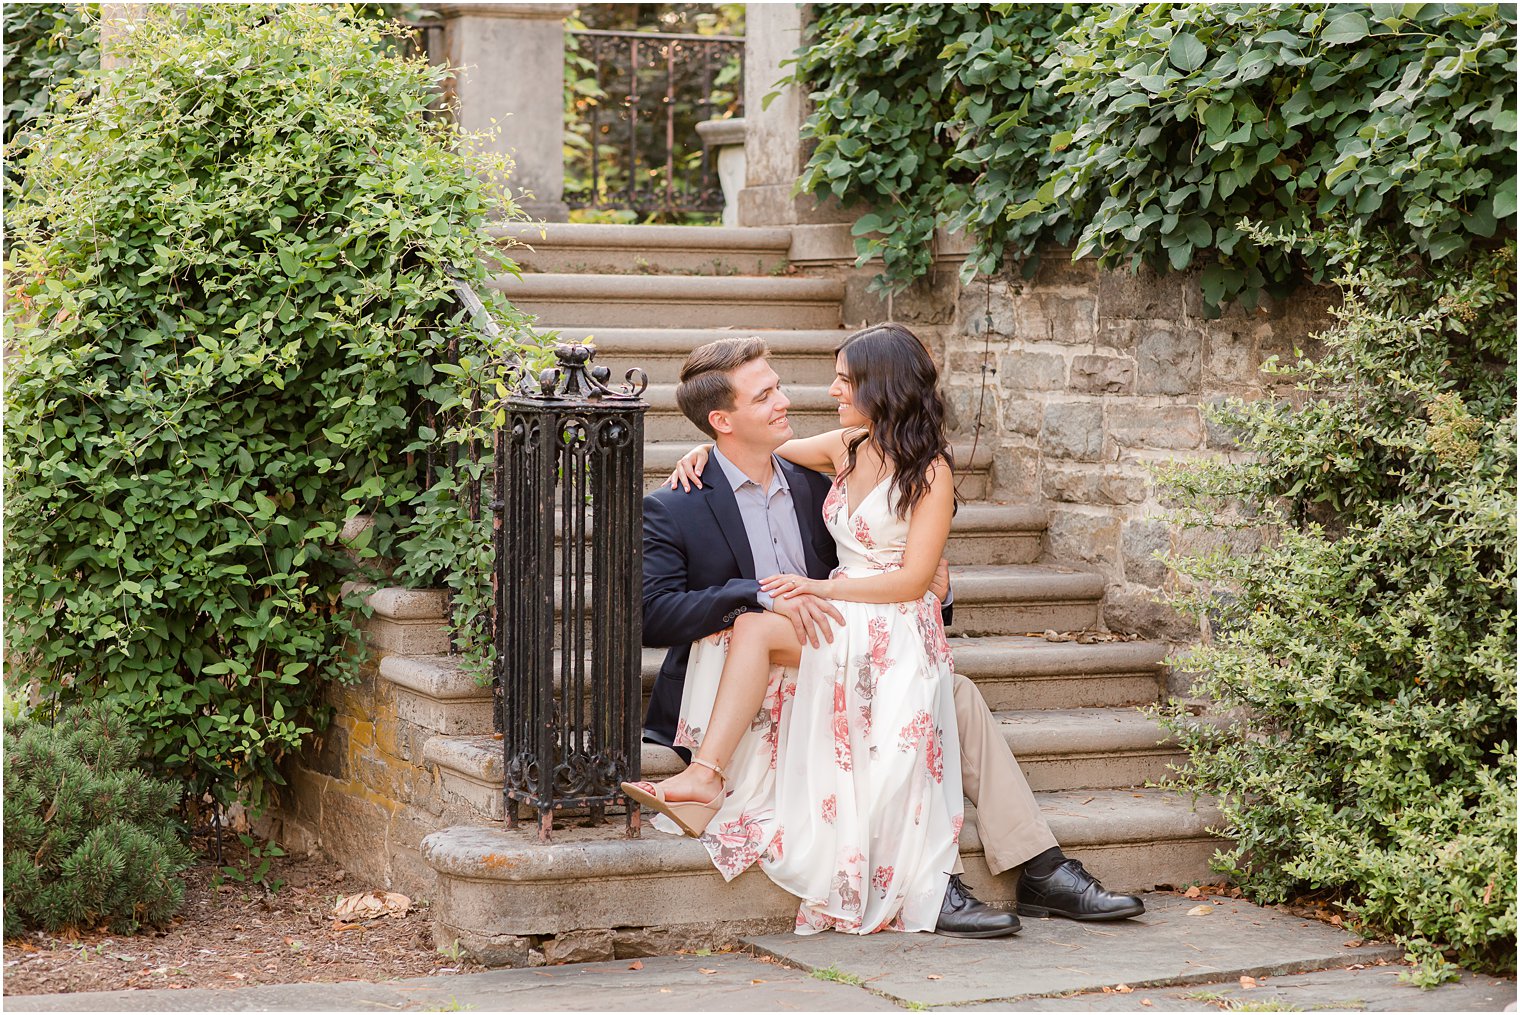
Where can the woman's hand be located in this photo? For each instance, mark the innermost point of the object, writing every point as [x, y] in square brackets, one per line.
[785, 586]
[689, 469]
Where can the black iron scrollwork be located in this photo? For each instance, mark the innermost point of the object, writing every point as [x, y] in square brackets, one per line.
[574, 377]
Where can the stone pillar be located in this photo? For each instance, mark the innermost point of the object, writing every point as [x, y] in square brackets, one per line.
[509, 75]
[774, 152]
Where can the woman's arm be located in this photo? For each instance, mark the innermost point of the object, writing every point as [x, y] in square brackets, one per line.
[928, 530]
[822, 453]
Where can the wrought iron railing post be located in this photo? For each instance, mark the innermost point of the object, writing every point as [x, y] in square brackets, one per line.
[571, 451]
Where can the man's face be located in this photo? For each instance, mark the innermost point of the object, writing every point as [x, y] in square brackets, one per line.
[758, 418]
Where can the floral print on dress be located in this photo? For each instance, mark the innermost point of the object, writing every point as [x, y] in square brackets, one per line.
[847, 880]
[870, 667]
[833, 504]
[843, 759]
[922, 735]
[776, 850]
[829, 809]
[735, 845]
[881, 880]
[687, 735]
[862, 532]
[931, 627]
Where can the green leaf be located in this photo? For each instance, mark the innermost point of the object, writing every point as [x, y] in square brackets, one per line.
[1504, 198]
[1345, 28]
[1186, 53]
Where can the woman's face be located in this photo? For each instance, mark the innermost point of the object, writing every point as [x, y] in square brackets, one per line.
[843, 390]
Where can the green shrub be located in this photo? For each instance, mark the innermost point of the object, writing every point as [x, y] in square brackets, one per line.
[46, 44]
[232, 286]
[1366, 656]
[88, 836]
[1146, 133]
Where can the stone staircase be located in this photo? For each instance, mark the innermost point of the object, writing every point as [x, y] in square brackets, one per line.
[648, 295]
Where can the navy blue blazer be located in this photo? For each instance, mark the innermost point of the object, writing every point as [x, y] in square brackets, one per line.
[699, 572]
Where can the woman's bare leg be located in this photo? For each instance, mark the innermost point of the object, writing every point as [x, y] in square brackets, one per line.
[760, 641]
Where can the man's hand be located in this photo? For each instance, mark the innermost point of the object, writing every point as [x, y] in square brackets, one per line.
[939, 585]
[810, 616]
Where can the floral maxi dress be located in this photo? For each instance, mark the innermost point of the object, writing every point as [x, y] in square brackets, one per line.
[843, 789]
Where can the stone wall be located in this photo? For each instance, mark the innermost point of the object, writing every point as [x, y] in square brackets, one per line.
[1093, 378]
[363, 795]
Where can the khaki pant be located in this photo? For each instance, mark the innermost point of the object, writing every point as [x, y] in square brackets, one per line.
[1008, 820]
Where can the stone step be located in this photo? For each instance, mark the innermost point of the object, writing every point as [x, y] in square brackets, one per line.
[1024, 598]
[674, 301]
[1018, 672]
[643, 250]
[1013, 674]
[798, 356]
[813, 411]
[980, 533]
[1058, 749]
[498, 886]
[972, 471]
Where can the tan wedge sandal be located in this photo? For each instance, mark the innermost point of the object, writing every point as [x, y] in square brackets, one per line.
[691, 816]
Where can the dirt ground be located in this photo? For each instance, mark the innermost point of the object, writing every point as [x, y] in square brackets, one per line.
[236, 935]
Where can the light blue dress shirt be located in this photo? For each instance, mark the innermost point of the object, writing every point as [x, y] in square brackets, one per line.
[770, 522]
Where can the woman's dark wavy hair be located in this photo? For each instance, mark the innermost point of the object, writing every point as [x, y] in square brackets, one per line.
[895, 386]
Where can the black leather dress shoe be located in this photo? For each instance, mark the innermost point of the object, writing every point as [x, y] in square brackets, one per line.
[961, 915]
[1071, 892]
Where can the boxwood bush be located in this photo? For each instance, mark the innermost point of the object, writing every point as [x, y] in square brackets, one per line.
[232, 283]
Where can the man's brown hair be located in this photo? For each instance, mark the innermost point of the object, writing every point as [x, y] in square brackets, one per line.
[705, 382]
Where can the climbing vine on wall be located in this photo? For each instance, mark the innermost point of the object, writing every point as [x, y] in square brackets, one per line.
[1146, 133]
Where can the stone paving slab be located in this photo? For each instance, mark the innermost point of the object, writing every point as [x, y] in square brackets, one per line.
[1163, 947]
[1376, 988]
[668, 983]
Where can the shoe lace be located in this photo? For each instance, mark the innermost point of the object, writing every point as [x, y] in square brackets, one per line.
[959, 887]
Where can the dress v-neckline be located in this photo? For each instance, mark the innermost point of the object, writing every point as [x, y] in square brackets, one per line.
[850, 514]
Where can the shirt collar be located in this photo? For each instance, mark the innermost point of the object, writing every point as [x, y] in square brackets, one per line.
[737, 478]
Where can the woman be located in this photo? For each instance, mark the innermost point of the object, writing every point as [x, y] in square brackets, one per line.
[840, 787]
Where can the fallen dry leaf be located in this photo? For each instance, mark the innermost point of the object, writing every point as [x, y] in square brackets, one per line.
[1124, 988]
[1147, 1002]
[1248, 982]
[707, 972]
[1200, 911]
[752, 982]
[367, 905]
[636, 964]
[934, 976]
[1194, 893]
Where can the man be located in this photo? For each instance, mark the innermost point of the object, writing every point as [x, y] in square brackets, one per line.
[755, 515]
